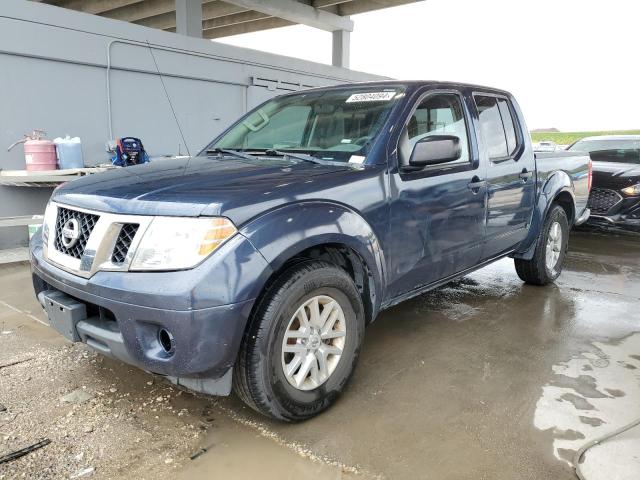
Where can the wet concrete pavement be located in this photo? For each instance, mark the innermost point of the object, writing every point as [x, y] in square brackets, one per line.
[483, 378]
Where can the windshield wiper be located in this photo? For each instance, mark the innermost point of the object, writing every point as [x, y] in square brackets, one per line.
[235, 153]
[299, 156]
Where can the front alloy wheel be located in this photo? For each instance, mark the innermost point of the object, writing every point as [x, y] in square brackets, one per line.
[302, 343]
[313, 342]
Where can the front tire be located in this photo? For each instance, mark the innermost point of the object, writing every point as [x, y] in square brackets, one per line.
[302, 343]
[551, 248]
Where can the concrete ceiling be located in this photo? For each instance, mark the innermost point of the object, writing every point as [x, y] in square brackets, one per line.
[233, 17]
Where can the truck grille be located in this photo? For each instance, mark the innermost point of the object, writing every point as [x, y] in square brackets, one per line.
[86, 222]
[601, 200]
[123, 243]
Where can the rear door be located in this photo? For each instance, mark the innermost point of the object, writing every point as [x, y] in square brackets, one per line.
[437, 212]
[510, 174]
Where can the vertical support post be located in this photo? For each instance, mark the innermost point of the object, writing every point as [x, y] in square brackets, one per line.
[189, 17]
[341, 48]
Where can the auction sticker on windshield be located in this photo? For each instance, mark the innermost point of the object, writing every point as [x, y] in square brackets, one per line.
[371, 97]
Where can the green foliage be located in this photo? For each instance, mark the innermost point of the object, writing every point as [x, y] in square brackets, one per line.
[566, 138]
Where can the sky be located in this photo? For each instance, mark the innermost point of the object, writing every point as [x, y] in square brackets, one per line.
[572, 65]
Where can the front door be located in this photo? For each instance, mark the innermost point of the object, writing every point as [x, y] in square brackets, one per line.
[510, 175]
[437, 212]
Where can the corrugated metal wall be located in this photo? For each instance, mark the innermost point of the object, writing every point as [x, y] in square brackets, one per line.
[72, 73]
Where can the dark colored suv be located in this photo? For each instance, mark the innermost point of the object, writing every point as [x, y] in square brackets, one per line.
[615, 197]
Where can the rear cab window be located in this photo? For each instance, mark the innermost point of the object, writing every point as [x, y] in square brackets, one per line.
[498, 126]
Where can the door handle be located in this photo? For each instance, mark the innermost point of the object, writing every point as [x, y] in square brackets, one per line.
[525, 175]
[476, 184]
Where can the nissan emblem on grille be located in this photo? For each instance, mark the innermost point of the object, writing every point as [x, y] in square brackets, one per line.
[70, 233]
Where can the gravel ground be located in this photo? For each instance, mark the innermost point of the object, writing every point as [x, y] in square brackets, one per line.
[107, 420]
[94, 411]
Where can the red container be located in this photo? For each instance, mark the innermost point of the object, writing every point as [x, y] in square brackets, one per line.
[40, 155]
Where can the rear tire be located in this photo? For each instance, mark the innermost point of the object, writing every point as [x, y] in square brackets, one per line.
[290, 367]
[551, 248]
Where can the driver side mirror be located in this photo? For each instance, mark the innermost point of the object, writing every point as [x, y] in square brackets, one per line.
[435, 149]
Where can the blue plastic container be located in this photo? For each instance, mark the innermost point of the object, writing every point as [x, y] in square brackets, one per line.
[69, 152]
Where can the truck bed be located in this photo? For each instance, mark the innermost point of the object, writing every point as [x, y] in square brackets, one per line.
[576, 167]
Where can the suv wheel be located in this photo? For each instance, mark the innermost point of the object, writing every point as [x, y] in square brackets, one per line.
[302, 343]
[551, 248]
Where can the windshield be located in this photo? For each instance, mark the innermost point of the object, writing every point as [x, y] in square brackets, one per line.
[330, 124]
[623, 150]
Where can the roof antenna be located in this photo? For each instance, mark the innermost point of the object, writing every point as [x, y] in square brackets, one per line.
[175, 117]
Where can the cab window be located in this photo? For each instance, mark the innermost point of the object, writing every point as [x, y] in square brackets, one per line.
[497, 126]
[440, 114]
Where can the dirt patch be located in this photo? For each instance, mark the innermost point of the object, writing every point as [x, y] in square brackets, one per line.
[94, 411]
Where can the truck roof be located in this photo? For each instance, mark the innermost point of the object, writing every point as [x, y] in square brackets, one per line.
[414, 83]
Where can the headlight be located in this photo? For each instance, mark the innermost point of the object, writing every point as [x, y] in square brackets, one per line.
[176, 243]
[632, 190]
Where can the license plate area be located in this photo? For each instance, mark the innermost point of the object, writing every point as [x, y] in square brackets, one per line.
[64, 312]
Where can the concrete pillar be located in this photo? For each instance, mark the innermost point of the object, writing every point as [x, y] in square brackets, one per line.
[341, 48]
[189, 17]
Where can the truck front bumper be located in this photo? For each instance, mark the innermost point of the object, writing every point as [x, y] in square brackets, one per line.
[193, 347]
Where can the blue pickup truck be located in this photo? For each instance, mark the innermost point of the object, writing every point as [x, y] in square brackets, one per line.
[256, 265]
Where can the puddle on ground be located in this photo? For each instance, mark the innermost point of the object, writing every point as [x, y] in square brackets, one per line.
[591, 395]
[237, 450]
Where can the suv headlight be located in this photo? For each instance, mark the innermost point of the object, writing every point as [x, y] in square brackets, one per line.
[177, 243]
[632, 190]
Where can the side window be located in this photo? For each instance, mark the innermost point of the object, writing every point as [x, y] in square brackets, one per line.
[491, 126]
[498, 129]
[509, 127]
[436, 115]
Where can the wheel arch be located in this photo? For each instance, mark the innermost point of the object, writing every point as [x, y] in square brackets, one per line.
[557, 189]
[321, 231]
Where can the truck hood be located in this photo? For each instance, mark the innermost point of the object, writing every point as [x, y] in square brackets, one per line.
[236, 188]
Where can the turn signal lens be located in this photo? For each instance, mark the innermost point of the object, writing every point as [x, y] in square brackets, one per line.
[632, 190]
[218, 232]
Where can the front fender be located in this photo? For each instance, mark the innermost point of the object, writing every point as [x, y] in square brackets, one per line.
[554, 185]
[283, 233]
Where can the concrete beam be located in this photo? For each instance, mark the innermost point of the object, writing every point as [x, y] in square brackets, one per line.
[189, 17]
[211, 10]
[163, 21]
[256, 26]
[140, 10]
[327, 3]
[95, 7]
[219, 9]
[361, 6]
[340, 48]
[235, 19]
[297, 12]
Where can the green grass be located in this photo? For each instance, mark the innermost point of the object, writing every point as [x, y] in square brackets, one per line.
[566, 138]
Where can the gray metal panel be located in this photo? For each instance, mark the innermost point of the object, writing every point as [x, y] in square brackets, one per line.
[53, 75]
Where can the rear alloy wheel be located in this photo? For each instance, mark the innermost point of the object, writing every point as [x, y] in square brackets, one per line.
[551, 247]
[302, 343]
[554, 246]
